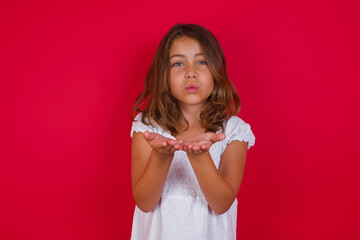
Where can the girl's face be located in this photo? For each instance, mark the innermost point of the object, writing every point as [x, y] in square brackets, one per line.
[191, 82]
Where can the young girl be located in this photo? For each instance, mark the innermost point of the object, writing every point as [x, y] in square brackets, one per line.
[189, 147]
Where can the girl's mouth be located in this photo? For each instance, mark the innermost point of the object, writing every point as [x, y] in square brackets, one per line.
[191, 88]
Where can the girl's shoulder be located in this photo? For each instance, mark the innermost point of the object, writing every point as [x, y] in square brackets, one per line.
[237, 129]
[139, 126]
[234, 120]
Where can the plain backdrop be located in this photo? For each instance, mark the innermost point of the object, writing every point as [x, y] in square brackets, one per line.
[69, 75]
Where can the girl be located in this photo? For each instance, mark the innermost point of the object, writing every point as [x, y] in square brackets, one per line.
[188, 147]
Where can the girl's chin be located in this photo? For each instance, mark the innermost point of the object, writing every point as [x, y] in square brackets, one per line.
[192, 103]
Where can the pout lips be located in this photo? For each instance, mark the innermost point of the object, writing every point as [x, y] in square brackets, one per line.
[191, 88]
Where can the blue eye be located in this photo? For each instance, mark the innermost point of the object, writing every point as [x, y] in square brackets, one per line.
[202, 62]
[177, 64]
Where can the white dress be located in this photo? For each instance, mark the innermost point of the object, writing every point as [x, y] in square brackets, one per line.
[182, 212]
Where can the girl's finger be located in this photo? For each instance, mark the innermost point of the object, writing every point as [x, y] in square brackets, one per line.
[190, 150]
[167, 149]
[173, 148]
[149, 136]
[159, 145]
[218, 137]
[196, 148]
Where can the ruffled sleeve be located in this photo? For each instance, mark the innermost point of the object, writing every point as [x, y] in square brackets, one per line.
[139, 126]
[238, 130]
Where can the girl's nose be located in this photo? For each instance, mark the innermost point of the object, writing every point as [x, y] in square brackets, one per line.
[191, 73]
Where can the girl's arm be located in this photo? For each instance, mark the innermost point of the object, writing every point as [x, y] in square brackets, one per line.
[151, 156]
[219, 187]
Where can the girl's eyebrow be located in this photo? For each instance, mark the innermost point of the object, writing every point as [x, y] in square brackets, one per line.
[180, 55]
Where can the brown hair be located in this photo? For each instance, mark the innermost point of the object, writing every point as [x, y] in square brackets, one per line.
[156, 102]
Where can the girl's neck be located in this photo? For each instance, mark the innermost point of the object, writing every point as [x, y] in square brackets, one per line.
[192, 115]
[194, 127]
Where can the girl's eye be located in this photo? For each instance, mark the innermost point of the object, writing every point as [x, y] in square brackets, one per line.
[202, 62]
[177, 64]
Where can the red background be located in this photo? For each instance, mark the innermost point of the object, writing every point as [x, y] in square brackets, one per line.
[69, 74]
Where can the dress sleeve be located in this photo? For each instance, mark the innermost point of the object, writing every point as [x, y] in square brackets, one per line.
[139, 126]
[238, 130]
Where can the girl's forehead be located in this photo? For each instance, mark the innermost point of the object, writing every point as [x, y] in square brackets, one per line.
[185, 45]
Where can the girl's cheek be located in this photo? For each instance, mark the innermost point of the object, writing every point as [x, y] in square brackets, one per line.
[177, 73]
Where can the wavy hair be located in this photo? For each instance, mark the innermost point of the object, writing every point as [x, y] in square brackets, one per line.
[156, 103]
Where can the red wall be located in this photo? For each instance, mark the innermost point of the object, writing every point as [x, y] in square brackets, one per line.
[69, 74]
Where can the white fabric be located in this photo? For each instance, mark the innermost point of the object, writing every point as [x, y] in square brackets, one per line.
[183, 212]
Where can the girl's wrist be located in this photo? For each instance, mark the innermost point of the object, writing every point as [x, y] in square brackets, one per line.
[198, 156]
[162, 155]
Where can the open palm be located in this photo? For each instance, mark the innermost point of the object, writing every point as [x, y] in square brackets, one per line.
[201, 143]
[160, 143]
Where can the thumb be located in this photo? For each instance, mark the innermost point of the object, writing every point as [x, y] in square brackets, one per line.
[149, 136]
[218, 137]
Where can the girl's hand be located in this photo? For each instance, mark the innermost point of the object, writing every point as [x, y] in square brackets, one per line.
[201, 143]
[160, 143]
